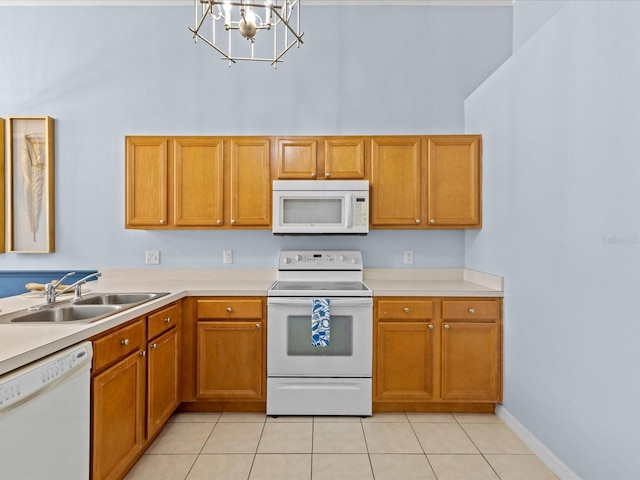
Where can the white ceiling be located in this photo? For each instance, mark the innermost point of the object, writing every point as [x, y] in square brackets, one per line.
[468, 3]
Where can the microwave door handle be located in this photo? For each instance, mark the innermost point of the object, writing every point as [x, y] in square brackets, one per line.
[348, 210]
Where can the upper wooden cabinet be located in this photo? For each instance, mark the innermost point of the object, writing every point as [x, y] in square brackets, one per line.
[250, 182]
[396, 182]
[425, 182]
[307, 158]
[453, 169]
[197, 182]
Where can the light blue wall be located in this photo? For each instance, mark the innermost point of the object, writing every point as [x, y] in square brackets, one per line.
[561, 173]
[107, 72]
[530, 15]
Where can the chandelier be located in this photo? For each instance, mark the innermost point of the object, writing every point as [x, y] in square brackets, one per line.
[243, 20]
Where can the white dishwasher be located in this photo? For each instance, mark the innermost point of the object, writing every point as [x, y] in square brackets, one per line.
[45, 418]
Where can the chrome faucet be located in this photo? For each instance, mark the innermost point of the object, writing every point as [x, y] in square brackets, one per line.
[50, 289]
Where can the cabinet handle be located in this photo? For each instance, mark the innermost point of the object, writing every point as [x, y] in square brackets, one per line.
[167, 320]
[446, 327]
[406, 309]
[417, 220]
[229, 309]
[162, 222]
[233, 222]
[472, 310]
[154, 346]
[219, 222]
[431, 326]
[432, 220]
[327, 174]
[143, 353]
[125, 342]
[258, 325]
[313, 175]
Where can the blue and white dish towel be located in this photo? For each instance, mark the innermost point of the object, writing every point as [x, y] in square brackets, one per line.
[320, 322]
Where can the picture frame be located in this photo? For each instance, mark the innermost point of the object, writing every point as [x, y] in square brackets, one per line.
[2, 196]
[31, 185]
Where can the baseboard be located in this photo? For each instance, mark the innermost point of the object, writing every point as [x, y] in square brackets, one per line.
[550, 460]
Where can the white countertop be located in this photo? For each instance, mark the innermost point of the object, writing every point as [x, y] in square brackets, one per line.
[23, 344]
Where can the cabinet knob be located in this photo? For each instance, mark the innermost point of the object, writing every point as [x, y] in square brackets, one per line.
[162, 222]
[446, 327]
[313, 175]
[406, 309]
[258, 325]
[417, 220]
[472, 310]
[154, 346]
[233, 222]
[219, 222]
[229, 309]
[143, 353]
[167, 320]
[125, 342]
[327, 174]
[431, 326]
[432, 220]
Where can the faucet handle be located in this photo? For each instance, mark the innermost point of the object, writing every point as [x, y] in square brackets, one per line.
[59, 282]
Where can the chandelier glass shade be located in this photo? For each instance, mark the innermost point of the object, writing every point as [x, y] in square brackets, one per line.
[251, 30]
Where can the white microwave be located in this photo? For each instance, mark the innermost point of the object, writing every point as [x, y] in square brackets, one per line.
[311, 207]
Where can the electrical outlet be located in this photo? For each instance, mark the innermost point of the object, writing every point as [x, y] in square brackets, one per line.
[408, 257]
[152, 257]
[227, 256]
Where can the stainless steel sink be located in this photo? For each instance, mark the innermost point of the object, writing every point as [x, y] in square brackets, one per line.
[66, 314]
[85, 310]
[118, 298]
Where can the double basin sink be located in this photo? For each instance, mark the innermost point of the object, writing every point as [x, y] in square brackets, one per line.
[84, 310]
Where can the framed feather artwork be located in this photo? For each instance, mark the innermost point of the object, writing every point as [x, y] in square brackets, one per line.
[31, 185]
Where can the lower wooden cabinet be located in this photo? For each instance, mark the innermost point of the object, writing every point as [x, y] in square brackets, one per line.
[435, 353]
[118, 417]
[135, 388]
[231, 349]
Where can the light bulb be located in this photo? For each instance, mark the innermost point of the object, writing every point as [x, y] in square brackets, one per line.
[227, 15]
[247, 25]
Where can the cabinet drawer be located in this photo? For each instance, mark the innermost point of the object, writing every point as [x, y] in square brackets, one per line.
[230, 308]
[471, 310]
[117, 345]
[163, 320]
[405, 310]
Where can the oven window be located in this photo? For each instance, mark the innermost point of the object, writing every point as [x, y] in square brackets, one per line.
[299, 337]
[317, 211]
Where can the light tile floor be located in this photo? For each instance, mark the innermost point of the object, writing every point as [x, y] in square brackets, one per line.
[387, 446]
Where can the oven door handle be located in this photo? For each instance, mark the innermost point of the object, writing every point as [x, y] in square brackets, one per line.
[338, 302]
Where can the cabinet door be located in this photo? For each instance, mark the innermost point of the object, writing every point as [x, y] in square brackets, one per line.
[163, 373]
[230, 360]
[198, 181]
[395, 182]
[344, 158]
[453, 197]
[471, 361]
[146, 181]
[404, 361]
[250, 182]
[297, 158]
[118, 417]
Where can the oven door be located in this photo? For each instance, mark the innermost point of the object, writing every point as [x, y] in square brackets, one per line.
[289, 348]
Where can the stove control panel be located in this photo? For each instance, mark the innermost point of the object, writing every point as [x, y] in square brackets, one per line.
[320, 260]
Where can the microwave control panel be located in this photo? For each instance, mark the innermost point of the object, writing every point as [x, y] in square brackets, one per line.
[360, 211]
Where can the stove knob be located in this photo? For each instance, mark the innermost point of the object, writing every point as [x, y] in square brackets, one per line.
[286, 260]
[354, 260]
[342, 258]
[298, 257]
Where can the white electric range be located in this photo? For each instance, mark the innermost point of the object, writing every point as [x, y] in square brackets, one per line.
[329, 373]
